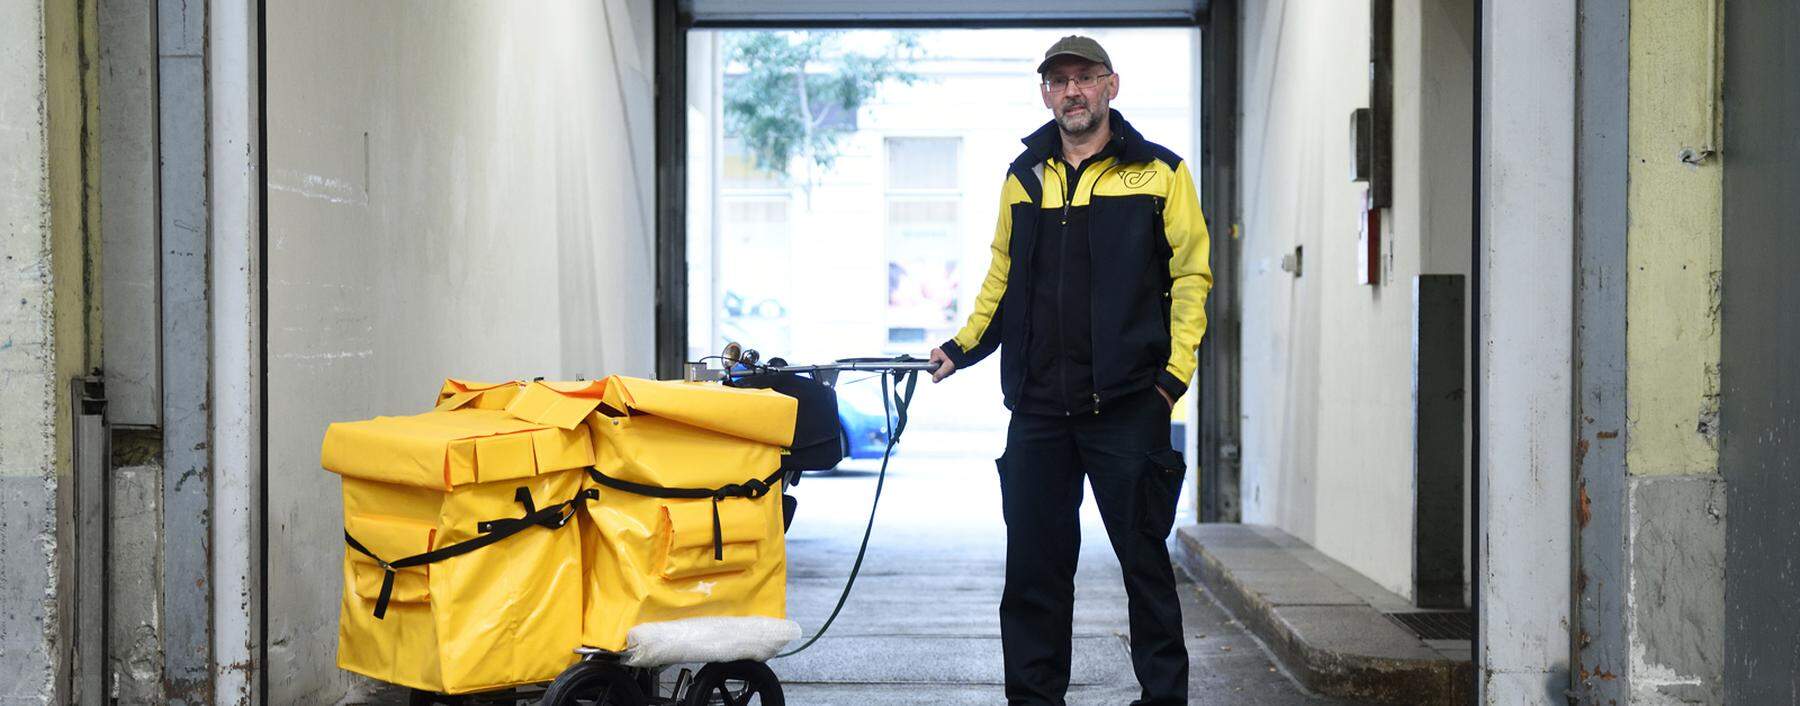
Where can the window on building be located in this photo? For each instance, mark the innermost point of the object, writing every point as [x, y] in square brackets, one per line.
[755, 245]
[923, 238]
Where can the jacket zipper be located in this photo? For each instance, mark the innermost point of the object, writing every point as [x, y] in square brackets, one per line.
[1094, 370]
[1062, 275]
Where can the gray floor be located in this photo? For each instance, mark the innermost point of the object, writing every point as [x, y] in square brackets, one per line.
[921, 626]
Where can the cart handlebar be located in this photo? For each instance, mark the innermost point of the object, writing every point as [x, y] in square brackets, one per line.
[897, 365]
[735, 356]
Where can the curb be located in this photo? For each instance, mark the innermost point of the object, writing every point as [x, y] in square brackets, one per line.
[1332, 673]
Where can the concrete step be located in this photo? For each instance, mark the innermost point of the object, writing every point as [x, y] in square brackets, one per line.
[1326, 623]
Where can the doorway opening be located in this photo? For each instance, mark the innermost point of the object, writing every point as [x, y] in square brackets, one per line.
[856, 217]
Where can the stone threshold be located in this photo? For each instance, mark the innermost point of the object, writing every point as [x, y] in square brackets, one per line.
[1325, 622]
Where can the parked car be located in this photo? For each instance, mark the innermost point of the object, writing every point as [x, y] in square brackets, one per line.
[860, 413]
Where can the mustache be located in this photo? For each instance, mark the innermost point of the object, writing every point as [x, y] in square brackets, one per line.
[1074, 103]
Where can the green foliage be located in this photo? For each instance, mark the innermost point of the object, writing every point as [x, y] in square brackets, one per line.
[777, 120]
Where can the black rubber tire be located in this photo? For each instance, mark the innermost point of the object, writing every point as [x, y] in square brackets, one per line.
[593, 683]
[737, 683]
[420, 697]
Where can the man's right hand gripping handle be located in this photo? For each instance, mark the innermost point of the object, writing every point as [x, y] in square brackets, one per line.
[944, 365]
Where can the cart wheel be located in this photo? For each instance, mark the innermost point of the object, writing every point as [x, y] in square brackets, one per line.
[591, 683]
[420, 697]
[739, 683]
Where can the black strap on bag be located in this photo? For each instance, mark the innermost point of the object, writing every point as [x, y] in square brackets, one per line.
[752, 489]
[552, 517]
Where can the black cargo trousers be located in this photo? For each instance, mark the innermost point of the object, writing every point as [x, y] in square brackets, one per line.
[1124, 453]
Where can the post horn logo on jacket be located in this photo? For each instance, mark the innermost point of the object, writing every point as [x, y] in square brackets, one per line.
[1148, 245]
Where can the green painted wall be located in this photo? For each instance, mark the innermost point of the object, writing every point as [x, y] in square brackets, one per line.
[1672, 334]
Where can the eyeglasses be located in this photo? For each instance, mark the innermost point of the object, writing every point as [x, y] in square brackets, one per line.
[1083, 82]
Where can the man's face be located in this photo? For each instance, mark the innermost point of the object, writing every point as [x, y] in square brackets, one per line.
[1078, 110]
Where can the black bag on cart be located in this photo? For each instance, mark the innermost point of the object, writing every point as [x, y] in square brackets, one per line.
[818, 436]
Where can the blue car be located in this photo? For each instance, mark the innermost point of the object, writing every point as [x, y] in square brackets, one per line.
[860, 414]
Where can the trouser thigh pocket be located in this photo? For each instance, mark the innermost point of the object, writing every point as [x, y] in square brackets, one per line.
[1000, 470]
[1159, 490]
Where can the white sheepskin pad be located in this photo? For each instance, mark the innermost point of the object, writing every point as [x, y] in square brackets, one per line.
[707, 640]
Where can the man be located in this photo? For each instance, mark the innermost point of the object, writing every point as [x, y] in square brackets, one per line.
[1096, 300]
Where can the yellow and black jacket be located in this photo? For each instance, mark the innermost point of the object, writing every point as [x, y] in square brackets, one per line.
[1147, 271]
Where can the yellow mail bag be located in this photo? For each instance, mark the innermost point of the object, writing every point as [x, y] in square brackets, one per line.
[687, 519]
[460, 572]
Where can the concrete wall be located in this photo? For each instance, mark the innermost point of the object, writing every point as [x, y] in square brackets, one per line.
[1675, 531]
[1651, 504]
[28, 448]
[1327, 376]
[454, 190]
[43, 327]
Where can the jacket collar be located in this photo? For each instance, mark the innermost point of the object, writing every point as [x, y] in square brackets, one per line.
[1047, 140]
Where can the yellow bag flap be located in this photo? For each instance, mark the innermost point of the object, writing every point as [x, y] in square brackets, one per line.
[664, 452]
[690, 562]
[460, 394]
[444, 449]
[691, 522]
[759, 415]
[504, 457]
[389, 537]
[558, 404]
[389, 449]
[409, 587]
[562, 449]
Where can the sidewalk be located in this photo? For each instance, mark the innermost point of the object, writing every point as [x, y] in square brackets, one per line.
[1336, 631]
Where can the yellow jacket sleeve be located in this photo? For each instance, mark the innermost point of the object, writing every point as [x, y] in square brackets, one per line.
[1189, 267]
[981, 335]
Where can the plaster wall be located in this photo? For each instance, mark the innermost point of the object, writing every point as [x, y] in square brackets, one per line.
[43, 320]
[1327, 362]
[1672, 390]
[454, 190]
[29, 481]
[1675, 541]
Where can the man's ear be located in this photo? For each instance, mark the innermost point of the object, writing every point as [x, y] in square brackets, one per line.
[1048, 102]
[1112, 87]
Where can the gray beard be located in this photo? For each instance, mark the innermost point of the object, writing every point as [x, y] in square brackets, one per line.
[1077, 126]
